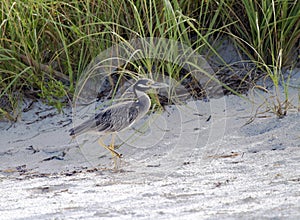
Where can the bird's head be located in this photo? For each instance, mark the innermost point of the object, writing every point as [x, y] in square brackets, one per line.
[146, 85]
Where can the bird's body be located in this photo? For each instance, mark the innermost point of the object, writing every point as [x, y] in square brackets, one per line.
[115, 118]
[120, 116]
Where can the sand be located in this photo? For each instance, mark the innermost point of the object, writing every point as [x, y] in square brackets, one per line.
[202, 160]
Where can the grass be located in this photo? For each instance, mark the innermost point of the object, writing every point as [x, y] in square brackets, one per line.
[45, 46]
[270, 27]
[269, 35]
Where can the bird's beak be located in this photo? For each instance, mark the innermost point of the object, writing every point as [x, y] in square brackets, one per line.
[158, 85]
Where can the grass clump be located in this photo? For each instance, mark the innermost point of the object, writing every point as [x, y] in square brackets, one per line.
[268, 32]
[46, 45]
[265, 29]
[43, 45]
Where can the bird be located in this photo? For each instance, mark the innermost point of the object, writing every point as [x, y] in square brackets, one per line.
[120, 116]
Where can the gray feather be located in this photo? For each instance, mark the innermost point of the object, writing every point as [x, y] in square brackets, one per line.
[113, 119]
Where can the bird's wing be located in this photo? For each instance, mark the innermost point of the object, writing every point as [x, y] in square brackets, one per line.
[86, 126]
[112, 119]
[117, 118]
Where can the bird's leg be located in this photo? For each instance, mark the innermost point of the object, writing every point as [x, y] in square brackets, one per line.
[112, 151]
[112, 148]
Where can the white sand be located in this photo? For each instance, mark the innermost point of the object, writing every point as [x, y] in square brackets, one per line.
[181, 167]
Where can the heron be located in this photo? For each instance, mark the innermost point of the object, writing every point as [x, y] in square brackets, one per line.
[120, 116]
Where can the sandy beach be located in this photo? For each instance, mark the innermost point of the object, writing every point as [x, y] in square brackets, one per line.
[202, 160]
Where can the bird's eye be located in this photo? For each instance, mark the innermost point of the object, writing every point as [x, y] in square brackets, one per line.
[149, 83]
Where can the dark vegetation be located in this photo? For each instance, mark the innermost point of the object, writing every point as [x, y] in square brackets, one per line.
[46, 45]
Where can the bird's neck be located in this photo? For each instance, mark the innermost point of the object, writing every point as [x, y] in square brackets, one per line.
[140, 95]
[143, 100]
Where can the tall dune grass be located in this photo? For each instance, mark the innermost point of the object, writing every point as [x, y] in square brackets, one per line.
[46, 45]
